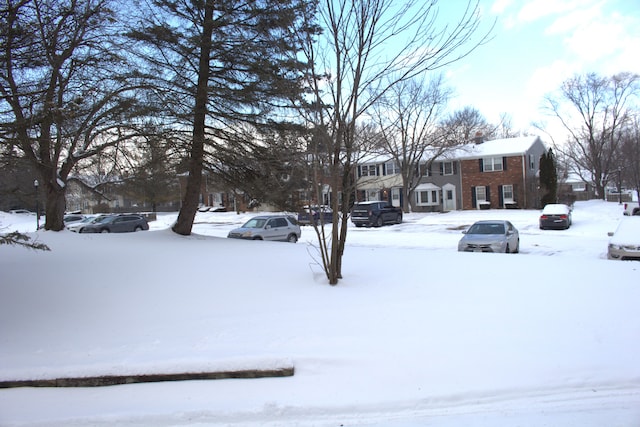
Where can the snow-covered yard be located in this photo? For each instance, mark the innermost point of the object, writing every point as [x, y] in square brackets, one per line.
[415, 334]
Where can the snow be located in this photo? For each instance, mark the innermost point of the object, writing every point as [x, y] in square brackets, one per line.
[414, 334]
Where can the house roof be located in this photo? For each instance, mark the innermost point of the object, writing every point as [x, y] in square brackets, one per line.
[497, 147]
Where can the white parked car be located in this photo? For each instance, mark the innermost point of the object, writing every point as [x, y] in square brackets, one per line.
[624, 243]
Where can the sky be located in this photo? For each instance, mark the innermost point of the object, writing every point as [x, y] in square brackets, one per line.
[414, 334]
[538, 44]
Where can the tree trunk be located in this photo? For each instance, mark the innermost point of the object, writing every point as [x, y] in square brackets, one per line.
[187, 214]
[54, 207]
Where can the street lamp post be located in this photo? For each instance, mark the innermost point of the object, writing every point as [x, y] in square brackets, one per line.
[619, 188]
[35, 185]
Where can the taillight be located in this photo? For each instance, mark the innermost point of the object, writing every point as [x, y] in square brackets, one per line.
[563, 217]
[543, 217]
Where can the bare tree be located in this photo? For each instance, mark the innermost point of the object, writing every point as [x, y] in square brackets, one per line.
[408, 117]
[594, 111]
[628, 171]
[366, 48]
[66, 91]
[463, 125]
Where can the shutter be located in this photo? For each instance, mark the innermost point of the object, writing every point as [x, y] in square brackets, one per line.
[487, 188]
[384, 168]
[504, 163]
[441, 168]
[473, 197]
[481, 165]
[500, 197]
[359, 171]
[455, 168]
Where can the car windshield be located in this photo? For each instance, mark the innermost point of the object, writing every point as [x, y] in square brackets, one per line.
[255, 223]
[486, 229]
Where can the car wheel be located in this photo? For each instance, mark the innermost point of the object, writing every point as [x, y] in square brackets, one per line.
[257, 238]
[517, 248]
[379, 221]
[104, 230]
[358, 225]
[138, 228]
[292, 238]
[507, 249]
[399, 219]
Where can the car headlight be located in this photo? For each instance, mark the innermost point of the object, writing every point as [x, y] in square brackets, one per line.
[615, 247]
[247, 234]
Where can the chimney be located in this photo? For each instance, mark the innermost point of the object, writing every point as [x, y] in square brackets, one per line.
[479, 138]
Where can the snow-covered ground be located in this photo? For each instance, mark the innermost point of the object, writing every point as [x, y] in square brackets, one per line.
[414, 334]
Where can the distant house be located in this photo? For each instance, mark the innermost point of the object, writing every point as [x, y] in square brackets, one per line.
[379, 178]
[501, 173]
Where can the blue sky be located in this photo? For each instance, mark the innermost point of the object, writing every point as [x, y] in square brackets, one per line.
[537, 45]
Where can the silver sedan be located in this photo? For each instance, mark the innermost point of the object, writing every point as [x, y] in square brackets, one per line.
[490, 236]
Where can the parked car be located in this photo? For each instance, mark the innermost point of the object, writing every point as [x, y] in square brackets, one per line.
[268, 227]
[624, 243]
[631, 209]
[122, 223]
[555, 215]
[490, 236]
[71, 218]
[77, 226]
[375, 214]
[21, 211]
[315, 214]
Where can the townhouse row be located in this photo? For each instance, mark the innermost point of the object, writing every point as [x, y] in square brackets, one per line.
[501, 173]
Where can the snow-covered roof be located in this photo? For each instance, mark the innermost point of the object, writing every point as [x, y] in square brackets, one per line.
[497, 147]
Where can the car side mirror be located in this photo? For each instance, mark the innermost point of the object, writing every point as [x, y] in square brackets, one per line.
[610, 233]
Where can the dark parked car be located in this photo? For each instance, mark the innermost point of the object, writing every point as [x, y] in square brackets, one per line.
[555, 215]
[375, 214]
[490, 236]
[268, 227]
[122, 223]
[315, 214]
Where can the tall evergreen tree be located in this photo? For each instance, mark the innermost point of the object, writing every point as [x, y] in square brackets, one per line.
[218, 66]
[548, 178]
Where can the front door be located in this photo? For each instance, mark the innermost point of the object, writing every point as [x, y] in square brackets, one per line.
[449, 197]
[395, 197]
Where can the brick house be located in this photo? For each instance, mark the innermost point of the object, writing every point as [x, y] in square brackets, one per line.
[501, 173]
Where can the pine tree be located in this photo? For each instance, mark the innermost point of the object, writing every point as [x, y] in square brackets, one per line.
[548, 178]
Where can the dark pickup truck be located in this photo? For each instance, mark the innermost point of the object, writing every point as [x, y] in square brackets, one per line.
[375, 214]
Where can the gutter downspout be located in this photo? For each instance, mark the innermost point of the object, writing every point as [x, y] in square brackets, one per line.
[524, 179]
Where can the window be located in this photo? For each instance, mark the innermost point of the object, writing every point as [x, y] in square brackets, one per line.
[532, 162]
[492, 164]
[427, 198]
[368, 170]
[447, 168]
[391, 168]
[481, 194]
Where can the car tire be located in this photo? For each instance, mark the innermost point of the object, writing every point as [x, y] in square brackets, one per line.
[399, 219]
[292, 238]
[257, 238]
[358, 225]
[517, 248]
[379, 221]
[138, 228]
[105, 230]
